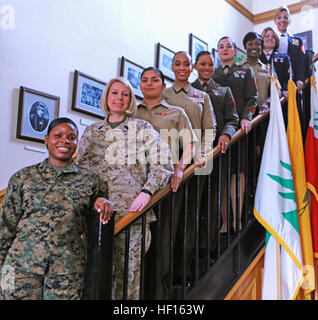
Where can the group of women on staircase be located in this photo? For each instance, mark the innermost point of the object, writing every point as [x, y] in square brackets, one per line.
[130, 155]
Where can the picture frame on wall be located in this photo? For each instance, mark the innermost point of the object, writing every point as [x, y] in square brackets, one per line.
[131, 71]
[196, 45]
[164, 58]
[87, 92]
[307, 39]
[217, 61]
[36, 110]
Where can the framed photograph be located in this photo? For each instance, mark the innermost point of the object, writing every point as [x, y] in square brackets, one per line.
[36, 111]
[87, 92]
[240, 55]
[217, 61]
[307, 39]
[132, 72]
[195, 46]
[164, 58]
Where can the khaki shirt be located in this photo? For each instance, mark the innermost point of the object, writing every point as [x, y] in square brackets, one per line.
[262, 76]
[164, 116]
[198, 108]
[128, 158]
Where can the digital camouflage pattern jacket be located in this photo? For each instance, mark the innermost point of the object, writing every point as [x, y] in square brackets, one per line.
[43, 218]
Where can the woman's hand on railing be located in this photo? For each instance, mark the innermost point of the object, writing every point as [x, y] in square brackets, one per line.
[105, 209]
[201, 159]
[177, 177]
[299, 85]
[285, 94]
[246, 125]
[263, 108]
[140, 202]
[223, 142]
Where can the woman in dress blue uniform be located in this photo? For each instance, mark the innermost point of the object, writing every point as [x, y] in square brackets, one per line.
[270, 55]
[291, 45]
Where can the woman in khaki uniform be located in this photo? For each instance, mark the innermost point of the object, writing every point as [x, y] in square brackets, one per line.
[165, 117]
[195, 103]
[198, 107]
[252, 42]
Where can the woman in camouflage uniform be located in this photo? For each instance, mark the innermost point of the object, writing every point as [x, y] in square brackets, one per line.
[125, 152]
[43, 219]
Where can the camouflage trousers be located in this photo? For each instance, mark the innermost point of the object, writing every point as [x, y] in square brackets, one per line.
[30, 286]
[133, 285]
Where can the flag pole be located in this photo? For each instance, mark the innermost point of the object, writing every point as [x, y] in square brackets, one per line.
[279, 273]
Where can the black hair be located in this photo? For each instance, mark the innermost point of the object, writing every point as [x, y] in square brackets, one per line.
[251, 36]
[59, 121]
[202, 53]
[183, 52]
[158, 71]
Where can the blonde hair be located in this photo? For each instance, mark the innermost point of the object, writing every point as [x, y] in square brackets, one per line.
[132, 106]
[280, 9]
[275, 36]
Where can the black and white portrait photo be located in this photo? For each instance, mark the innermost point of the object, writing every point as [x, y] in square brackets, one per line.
[36, 110]
[39, 116]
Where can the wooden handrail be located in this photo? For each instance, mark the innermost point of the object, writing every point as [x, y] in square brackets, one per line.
[2, 194]
[131, 216]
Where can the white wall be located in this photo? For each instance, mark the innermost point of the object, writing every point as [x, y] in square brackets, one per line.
[52, 38]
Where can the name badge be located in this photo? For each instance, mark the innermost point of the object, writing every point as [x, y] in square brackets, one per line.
[262, 70]
[196, 95]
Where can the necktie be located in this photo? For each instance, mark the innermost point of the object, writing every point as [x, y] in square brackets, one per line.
[205, 86]
[226, 69]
